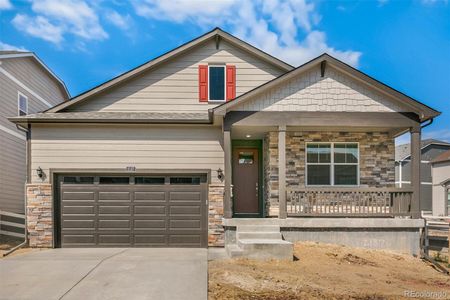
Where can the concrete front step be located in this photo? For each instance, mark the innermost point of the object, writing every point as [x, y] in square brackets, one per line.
[258, 228]
[234, 251]
[266, 249]
[258, 235]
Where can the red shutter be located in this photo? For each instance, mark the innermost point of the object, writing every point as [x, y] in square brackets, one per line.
[203, 83]
[231, 82]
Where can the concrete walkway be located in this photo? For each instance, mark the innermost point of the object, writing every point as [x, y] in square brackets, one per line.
[136, 273]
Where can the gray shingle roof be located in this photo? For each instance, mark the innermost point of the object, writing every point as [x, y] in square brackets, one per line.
[122, 117]
[404, 150]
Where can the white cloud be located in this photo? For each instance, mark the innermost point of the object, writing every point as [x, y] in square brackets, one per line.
[39, 27]
[56, 18]
[121, 21]
[439, 134]
[283, 28]
[6, 46]
[5, 4]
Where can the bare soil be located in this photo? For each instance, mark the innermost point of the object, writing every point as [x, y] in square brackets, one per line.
[325, 271]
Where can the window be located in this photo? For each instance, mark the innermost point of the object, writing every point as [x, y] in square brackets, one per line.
[114, 180]
[22, 104]
[332, 164]
[216, 83]
[149, 180]
[185, 180]
[246, 158]
[78, 180]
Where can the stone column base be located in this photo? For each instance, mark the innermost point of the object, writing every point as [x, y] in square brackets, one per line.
[39, 215]
[215, 215]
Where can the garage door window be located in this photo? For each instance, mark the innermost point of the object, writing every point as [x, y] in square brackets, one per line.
[78, 180]
[149, 180]
[114, 180]
[185, 180]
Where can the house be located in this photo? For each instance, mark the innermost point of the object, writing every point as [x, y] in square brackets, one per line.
[440, 170]
[430, 149]
[27, 86]
[215, 142]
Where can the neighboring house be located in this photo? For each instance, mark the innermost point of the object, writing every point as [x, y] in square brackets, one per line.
[430, 149]
[27, 86]
[440, 170]
[187, 148]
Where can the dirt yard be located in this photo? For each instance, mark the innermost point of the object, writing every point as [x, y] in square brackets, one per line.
[326, 272]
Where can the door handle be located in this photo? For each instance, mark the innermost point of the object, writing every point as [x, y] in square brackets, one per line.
[257, 189]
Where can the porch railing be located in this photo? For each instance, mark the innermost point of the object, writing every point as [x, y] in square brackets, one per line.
[352, 202]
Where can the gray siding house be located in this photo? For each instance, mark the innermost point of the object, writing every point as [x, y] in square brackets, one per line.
[430, 149]
[27, 86]
[440, 170]
[216, 141]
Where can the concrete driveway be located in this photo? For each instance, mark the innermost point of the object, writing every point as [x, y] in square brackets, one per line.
[105, 274]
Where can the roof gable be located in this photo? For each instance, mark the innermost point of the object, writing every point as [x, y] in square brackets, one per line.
[392, 99]
[20, 54]
[216, 34]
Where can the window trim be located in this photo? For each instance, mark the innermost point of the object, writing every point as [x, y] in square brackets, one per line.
[224, 66]
[19, 94]
[332, 164]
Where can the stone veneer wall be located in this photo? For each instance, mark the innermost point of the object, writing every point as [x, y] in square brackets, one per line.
[215, 215]
[39, 215]
[376, 160]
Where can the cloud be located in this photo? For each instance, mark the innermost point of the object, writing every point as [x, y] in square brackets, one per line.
[56, 18]
[38, 27]
[122, 22]
[5, 46]
[5, 4]
[283, 28]
[439, 134]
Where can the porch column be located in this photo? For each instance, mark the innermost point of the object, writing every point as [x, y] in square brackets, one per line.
[282, 214]
[415, 170]
[227, 204]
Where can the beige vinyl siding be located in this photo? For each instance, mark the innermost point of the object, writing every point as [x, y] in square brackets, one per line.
[174, 85]
[31, 74]
[311, 92]
[12, 173]
[116, 147]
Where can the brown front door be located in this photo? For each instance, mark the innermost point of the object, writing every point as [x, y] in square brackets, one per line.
[245, 180]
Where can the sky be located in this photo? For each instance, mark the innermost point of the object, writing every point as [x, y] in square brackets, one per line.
[405, 44]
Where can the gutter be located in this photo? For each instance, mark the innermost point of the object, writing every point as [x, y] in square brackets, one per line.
[25, 242]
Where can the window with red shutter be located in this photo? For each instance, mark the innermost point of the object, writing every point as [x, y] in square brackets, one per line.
[203, 83]
[231, 82]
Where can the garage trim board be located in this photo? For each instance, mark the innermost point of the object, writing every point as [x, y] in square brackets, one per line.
[96, 210]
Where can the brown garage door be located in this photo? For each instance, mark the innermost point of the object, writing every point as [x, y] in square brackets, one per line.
[133, 211]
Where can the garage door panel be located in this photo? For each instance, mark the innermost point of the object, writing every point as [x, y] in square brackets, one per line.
[79, 196]
[159, 197]
[76, 224]
[150, 224]
[185, 224]
[185, 210]
[150, 240]
[114, 210]
[142, 214]
[114, 224]
[78, 210]
[84, 239]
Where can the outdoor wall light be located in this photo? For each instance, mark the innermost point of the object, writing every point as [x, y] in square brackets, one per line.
[39, 172]
[220, 174]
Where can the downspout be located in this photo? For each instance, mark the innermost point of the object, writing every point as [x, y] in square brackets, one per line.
[25, 242]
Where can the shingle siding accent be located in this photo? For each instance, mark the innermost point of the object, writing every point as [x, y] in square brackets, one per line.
[311, 92]
[376, 161]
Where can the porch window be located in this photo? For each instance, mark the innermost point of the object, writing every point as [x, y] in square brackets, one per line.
[332, 164]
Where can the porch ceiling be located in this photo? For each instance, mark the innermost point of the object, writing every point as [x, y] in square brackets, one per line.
[256, 124]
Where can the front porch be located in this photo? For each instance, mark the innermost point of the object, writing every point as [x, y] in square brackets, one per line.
[312, 170]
